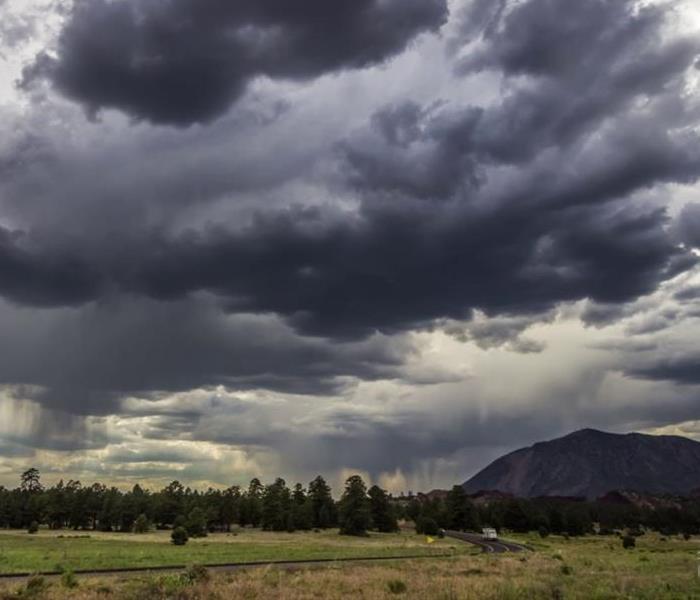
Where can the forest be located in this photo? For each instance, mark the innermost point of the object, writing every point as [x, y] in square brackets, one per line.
[278, 507]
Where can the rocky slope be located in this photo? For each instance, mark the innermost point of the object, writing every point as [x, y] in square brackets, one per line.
[591, 463]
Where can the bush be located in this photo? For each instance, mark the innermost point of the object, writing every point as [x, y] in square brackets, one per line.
[396, 586]
[141, 525]
[566, 570]
[686, 536]
[35, 587]
[33, 527]
[543, 531]
[629, 541]
[427, 526]
[69, 580]
[196, 574]
[179, 536]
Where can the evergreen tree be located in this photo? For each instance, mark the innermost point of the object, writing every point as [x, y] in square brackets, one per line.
[515, 517]
[230, 507]
[196, 523]
[301, 509]
[461, 512]
[276, 502]
[251, 505]
[355, 516]
[383, 517]
[141, 525]
[322, 505]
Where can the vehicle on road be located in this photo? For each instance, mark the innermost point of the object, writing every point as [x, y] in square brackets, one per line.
[489, 533]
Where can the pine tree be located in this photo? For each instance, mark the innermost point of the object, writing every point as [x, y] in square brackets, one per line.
[355, 516]
[383, 517]
[461, 512]
[196, 523]
[141, 525]
[322, 505]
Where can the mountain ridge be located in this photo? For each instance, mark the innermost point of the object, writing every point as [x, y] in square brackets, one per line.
[589, 463]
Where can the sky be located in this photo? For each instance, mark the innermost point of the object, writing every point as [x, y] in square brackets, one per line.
[389, 237]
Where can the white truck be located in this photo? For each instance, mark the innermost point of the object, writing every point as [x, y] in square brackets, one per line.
[489, 534]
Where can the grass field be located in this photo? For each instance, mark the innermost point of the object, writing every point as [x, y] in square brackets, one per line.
[50, 551]
[591, 568]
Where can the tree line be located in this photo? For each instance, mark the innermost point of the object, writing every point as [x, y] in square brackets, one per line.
[551, 515]
[277, 507]
[273, 507]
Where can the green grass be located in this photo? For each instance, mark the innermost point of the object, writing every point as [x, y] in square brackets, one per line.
[49, 551]
[590, 568]
[599, 567]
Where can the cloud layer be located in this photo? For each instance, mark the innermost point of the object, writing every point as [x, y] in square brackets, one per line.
[367, 217]
[182, 62]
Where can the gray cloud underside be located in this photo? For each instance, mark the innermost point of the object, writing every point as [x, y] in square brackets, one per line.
[261, 252]
[182, 62]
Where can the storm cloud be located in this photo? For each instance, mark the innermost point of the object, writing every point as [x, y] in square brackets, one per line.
[387, 225]
[185, 61]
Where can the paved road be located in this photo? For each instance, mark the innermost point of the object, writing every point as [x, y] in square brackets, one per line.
[495, 547]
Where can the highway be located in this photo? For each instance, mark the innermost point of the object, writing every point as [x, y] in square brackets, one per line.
[492, 546]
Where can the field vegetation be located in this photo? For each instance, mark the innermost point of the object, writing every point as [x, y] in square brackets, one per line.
[47, 551]
[582, 568]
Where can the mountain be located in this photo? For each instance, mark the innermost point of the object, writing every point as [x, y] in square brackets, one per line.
[591, 463]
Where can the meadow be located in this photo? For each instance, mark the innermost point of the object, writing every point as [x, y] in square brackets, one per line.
[47, 550]
[588, 568]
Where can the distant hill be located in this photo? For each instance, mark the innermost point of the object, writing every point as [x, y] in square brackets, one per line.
[591, 463]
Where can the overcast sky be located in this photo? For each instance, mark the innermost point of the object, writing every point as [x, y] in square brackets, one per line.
[396, 237]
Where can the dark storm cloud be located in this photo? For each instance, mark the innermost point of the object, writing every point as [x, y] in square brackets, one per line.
[507, 208]
[389, 270]
[185, 61]
[551, 38]
[37, 277]
[564, 98]
[552, 232]
[681, 369]
[86, 360]
[688, 225]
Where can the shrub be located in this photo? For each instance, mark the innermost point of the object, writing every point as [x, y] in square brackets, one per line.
[179, 536]
[396, 586]
[427, 526]
[629, 541]
[69, 580]
[543, 531]
[557, 593]
[33, 527]
[566, 570]
[141, 525]
[35, 587]
[196, 574]
[686, 536]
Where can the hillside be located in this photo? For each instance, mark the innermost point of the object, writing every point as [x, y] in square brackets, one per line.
[591, 463]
